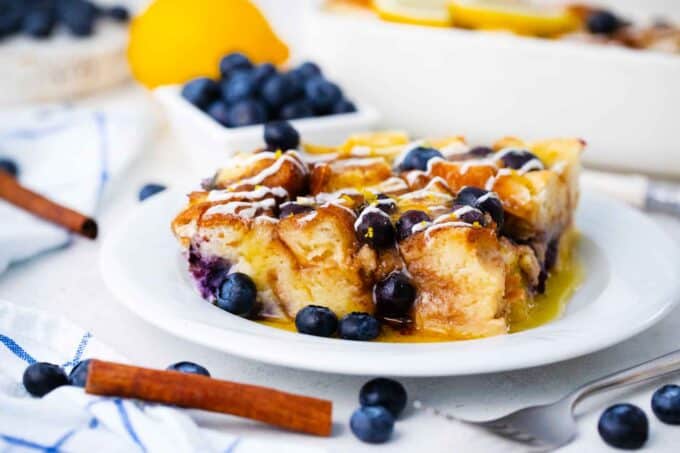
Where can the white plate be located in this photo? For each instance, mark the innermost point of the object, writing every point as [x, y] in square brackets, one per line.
[208, 144]
[631, 283]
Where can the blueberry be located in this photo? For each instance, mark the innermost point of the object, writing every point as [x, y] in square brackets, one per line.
[624, 426]
[517, 158]
[9, 166]
[119, 13]
[277, 90]
[384, 392]
[281, 135]
[41, 378]
[150, 190]
[480, 151]
[469, 214]
[78, 375]
[375, 228]
[316, 320]
[666, 404]
[296, 109]
[322, 94]
[603, 22]
[385, 203]
[408, 220]
[11, 16]
[232, 62]
[79, 16]
[417, 158]
[201, 92]
[237, 294]
[483, 200]
[189, 368]
[240, 86]
[309, 70]
[290, 208]
[343, 106]
[219, 111]
[372, 424]
[394, 296]
[359, 326]
[263, 72]
[246, 113]
[39, 22]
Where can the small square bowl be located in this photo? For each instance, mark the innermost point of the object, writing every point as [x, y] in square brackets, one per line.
[208, 144]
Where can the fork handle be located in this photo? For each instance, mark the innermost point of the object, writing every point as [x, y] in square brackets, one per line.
[661, 366]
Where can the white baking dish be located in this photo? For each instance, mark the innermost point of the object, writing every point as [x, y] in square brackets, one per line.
[208, 144]
[624, 103]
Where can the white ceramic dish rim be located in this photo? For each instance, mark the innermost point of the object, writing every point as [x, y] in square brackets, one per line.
[145, 271]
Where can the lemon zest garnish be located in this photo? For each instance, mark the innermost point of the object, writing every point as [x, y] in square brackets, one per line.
[369, 233]
[259, 186]
[278, 153]
[476, 225]
[347, 198]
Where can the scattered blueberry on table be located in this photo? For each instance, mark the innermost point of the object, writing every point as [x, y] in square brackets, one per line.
[316, 320]
[255, 94]
[237, 294]
[372, 424]
[78, 375]
[624, 426]
[280, 135]
[189, 368]
[9, 166]
[666, 404]
[359, 327]
[150, 190]
[603, 22]
[41, 378]
[384, 392]
[418, 157]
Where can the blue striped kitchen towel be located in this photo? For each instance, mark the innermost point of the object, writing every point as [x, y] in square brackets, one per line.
[69, 154]
[69, 420]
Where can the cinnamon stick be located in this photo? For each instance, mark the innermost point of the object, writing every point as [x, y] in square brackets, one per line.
[285, 410]
[21, 197]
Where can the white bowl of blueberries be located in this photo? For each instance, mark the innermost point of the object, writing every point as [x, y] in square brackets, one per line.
[214, 118]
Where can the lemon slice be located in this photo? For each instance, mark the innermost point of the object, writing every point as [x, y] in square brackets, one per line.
[519, 16]
[419, 12]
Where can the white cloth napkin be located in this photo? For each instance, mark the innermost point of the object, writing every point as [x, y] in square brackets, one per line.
[67, 419]
[70, 155]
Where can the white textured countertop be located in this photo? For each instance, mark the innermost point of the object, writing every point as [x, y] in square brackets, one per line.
[68, 282]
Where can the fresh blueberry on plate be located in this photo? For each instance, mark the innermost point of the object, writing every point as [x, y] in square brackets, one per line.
[316, 320]
[343, 106]
[118, 13]
[246, 113]
[602, 22]
[39, 22]
[9, 166]
[41, 378]
[408, 220]
[483, 200]
[372, 424]
[666, 404]
[281, 135]
[624, 426]
[384, 392]
[219, 111]
[309, 70]
[394, 296]
[322, 94]
[375, 228]
[359, 327]
[418, 157]
[232, 62]
[189, 368]
[78, 375]
[277, 90]
[237, 294]
[296, 110]
[201, 92]
[150, 190]
[240, 86]
[291, 208]
[517, 158]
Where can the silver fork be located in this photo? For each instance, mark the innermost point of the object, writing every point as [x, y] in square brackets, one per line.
[549, 426]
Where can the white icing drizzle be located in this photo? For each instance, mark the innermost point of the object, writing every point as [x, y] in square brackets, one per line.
[428, 191]
[392, 184]
[413, 175]
[337, 204]
[356, 162]
[324, 197]
[492, 180]
[366, 211]
[244, 209]
[533, 164]
[257, 194]
[465, 209]
[454, 148]
[291, 156]
[360, 151]
[486, 196]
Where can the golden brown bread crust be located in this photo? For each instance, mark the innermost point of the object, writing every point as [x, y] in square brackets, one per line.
[469, 278]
